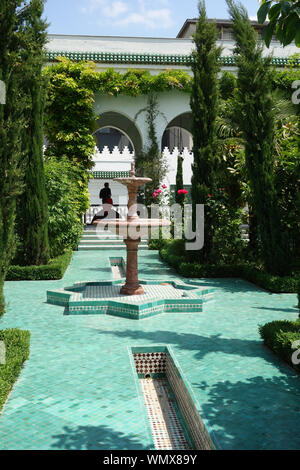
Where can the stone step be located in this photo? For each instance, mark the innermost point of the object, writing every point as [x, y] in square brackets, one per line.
[100, 237]
[84, 247]
[107, 241]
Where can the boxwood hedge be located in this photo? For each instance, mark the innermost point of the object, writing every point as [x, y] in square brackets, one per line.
[55, 269]
[172, 252]
[16, 353]
[279, 336]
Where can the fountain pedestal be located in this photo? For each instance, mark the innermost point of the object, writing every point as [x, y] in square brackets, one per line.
[132, 286]
[133, 225]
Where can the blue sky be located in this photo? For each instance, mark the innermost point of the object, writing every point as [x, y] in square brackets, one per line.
[158, 18]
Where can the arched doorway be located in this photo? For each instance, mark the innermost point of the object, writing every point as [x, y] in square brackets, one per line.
[111, 137]
[116, 127]
[178, 133]
[178, 139]
[117, 140]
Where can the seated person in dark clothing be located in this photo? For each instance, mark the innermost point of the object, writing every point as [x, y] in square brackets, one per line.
[105, 193]
[107, 211]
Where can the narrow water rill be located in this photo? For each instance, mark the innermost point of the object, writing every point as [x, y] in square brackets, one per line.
[163, 415]
[171, 412]
[118, 268]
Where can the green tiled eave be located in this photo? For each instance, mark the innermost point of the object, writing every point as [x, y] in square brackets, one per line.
[159, 59]
[110, 174]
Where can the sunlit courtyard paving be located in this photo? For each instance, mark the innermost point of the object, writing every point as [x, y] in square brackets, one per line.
[78, 391]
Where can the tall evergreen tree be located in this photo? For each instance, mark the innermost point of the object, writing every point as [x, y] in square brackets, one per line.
[179, 198]
[11, 124]
[204, 105]
[257, 122]
[32, 205]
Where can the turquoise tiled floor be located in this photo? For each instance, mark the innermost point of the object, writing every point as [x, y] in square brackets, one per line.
[77, 390]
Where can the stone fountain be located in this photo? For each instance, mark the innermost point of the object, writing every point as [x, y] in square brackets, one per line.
[137, 298]
[134, 225]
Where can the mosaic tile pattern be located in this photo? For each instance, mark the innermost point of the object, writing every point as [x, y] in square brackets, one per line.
[187, 407]
[159, 362]
[166, 429]
[77, 390]
[105, 298]
[151, 292]
[153, 363]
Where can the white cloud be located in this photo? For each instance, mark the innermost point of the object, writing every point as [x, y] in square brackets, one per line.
[106, 7]
[115, 9]
[149, 13]
[152, 19]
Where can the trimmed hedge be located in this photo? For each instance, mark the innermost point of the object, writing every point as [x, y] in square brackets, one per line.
[171, 253]
[279, 336]
[17, 352]
[55, 269]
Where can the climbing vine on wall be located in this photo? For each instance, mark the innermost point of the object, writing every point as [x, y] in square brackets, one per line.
[70, 120]
[149, 161]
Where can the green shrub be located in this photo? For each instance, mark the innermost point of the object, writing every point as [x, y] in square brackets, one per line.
[287, 284]
[279, 336]
[55, 269]
[173, 252]
[65, 208]
[17, 352]
[157, 244]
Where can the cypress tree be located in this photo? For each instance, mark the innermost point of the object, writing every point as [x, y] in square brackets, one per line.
[204, 105]
[255, 109]
[32, 205]
[11, 123]
[179, 198]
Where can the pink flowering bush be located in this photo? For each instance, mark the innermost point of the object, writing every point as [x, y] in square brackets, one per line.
[161, 195]
[182, 191]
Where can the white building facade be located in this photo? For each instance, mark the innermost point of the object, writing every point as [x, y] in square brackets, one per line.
[122, 127]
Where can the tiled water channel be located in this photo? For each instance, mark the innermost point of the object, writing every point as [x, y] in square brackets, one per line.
[118, 268]
[172, 411]
[167, 430]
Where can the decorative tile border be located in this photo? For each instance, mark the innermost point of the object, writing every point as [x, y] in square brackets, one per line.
[104, 298]
[159, 363]
[151, 59]
[187, 407]
[150, 362]
[163, 415]
[110, 174]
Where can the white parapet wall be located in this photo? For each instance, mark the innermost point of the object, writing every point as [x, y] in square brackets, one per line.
[107, 166]
[113, 164]
[171, 159]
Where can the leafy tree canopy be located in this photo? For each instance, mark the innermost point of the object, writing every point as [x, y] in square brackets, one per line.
[284, 19]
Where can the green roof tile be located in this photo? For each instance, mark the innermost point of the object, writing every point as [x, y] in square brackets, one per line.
[110, 174]
[104, 57]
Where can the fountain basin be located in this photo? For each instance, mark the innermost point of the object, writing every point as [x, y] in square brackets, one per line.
[134, 228]
[105, 298]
